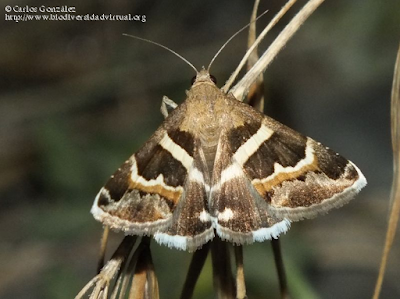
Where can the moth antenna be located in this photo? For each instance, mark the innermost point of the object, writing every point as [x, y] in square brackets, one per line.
[164, 47]
[232, 37]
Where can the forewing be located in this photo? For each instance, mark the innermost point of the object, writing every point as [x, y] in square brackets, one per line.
[142, 195]
[295, 175]
[240, 214]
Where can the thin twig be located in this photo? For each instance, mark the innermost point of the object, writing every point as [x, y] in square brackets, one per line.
[128, 270]
[152, 291]
[255, 97]
[144, 282]
[139, 282]
[222, 274]
[395, 193]
[276, 248]
[241, 88]
[196, 265]
[250, 50]
[240, 281]
[102, 281]
[252, 28]
[103, 246]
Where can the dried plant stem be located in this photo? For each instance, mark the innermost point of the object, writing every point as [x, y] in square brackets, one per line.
[144, 282]
[240, 282]
[395, 126]
[101, 282]
[222, 273]
[256, 99]
[103, 246]
[241, 88]
[138, 283]
[196, 265]
[395, 193]
[276, 248]
[252, 27]
[257, 41]
[122, 284]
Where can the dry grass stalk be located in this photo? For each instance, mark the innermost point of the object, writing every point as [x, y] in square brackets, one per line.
[222, 273]
[256, 42]
[241, 88]
[196, 265]
[103, 247]
[276, 248]
[240, 282]
[395, 192]
[124, 270]
[101, 282]
[144, 282]
[255, 98]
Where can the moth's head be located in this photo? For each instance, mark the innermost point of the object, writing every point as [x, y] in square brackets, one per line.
[203, 77]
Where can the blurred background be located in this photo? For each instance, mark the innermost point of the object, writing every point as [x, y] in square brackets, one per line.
[77, 98]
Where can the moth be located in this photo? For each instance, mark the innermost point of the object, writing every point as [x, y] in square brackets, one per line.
[217, 166]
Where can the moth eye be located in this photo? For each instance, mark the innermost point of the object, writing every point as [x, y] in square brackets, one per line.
[193, 79]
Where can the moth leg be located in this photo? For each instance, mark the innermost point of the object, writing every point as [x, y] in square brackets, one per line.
[166, 104]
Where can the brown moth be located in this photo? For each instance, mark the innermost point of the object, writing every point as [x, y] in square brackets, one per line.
[218, 166]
